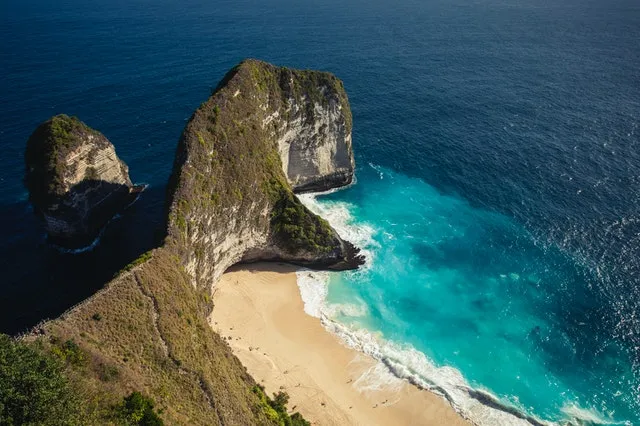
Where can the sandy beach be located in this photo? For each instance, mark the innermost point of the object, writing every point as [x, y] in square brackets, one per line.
[259, 310]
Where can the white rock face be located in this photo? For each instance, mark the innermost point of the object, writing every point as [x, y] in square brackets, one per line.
[93, 159]
[316, 155]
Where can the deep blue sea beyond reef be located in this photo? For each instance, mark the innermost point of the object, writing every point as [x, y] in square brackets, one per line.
[498, 179]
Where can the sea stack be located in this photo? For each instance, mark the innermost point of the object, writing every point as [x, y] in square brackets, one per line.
[76, 181]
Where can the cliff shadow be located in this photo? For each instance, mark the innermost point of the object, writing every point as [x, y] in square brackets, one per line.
[280, 267]
[41, 281]
[87, 208]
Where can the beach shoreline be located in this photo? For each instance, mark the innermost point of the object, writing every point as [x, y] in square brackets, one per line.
[258, 310]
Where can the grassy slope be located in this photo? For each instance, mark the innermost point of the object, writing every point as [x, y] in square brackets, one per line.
[152, 335]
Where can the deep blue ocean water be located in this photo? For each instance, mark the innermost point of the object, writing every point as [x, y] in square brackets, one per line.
[498, 156]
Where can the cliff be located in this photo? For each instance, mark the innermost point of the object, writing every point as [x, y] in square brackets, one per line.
[312, 126]
[76, 181]
[264, 132]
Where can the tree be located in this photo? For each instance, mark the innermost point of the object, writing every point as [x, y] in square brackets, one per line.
[33, 390]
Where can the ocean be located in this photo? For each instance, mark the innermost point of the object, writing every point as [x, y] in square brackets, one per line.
[498, 177]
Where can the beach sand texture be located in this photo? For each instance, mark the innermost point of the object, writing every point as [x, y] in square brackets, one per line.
[258, 309]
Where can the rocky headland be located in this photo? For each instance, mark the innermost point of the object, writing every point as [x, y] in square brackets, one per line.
[265, 133]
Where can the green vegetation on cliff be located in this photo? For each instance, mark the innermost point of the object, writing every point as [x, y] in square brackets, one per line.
[276, 409]
[137, 409]
[141, 351]
[292, 224]
[33, 388]
[297, 85]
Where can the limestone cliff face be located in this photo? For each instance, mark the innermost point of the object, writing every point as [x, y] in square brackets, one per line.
[313, 130]
[75, 179]
[264, 132]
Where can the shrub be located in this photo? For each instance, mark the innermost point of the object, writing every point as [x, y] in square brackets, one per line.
[69, 352]
[276, 409]
[107, 372]
[137, 409]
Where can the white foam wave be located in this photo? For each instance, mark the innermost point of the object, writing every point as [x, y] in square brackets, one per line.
[338, 214]
[405, 362]
[313, 290]
[589, 416]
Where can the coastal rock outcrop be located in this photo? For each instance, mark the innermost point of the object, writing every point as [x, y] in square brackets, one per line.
[76, 181]
[265, 132]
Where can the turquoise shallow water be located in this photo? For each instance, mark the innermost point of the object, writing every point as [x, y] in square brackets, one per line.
[473, 290]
